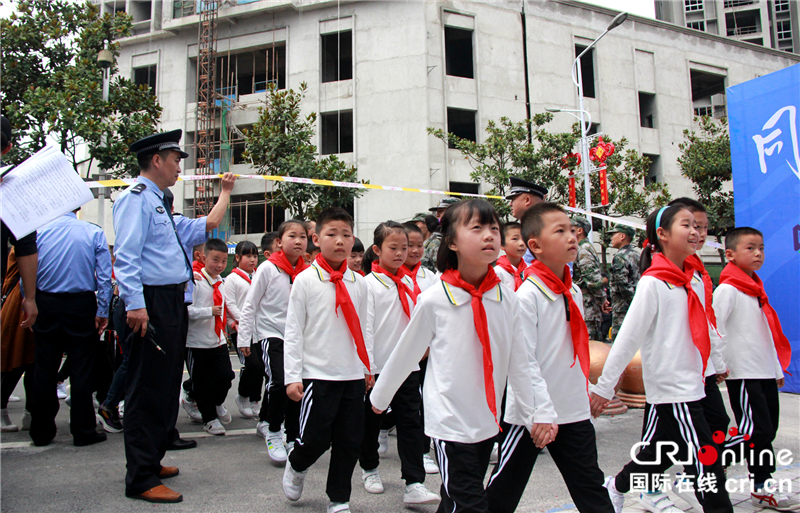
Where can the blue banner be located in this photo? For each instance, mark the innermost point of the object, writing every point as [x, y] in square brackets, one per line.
[765, 149]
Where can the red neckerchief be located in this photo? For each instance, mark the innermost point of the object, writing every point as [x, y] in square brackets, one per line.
[359, 271]
[197, 266]
[279, 258]
[708, 287]
[516, 272]
[577, 326]
[734, 276]
[453, 277]
[663, 269]
[402, 289]
[243, 275]
[412, 273]
[219, 321]
[344, 301]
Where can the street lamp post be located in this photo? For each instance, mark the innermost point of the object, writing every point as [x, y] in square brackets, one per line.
[577, 79]
[105, 59]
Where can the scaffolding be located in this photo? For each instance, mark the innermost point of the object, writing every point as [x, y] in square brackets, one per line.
[205, 145]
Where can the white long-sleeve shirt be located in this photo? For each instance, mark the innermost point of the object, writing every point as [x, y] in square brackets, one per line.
[201, 333]
[506, 277]
[549, 338]
[318, 343]
[235, 293]
[425, 278]
[265, 306]
[658, 322]
[716, 361]
[454, 393]
[386, 319]
[749, 348]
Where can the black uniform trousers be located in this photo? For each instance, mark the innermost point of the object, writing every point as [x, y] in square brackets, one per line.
[574, 452]
[211, 373]
[685, 425]
[280, 410]
[426, 441]
[331, 416]
[462, 467]
[153, 386]
[65, 325]
[405, 405]
[756, 407]
[251, 375]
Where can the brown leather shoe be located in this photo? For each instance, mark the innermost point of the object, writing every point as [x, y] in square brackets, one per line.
[167, 472]
[159, 494]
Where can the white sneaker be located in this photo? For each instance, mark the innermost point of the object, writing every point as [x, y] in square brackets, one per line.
[372, 481]
[61, 391]
[617, 498]
[256, 405]
[94, 401]
[293, 482]
[430, 466]
[191, 408]
[776, 501]
[289, 449]
[383, 441]
[416, 493]
[223, 415]
[214, 428]
[494, 457]
[684, 488]
[245, 407]
[14, 399]
[339, 507]
[262, 428]
[275, 447]
[657, 502]
[5, 420]
[26, 421]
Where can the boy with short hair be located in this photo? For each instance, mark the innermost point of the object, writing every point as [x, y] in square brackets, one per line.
[269, 244]
[328, 361]
[557, 339]
[757, 352]
[511, 266]
[188, 401]
[356, 257]
[206, 345]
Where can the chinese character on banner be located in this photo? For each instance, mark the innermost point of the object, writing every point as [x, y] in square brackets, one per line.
[599, 154]
[660, 481]
[572, 159]
[639, 482]
[766, 147]
[707, 483]
[685, 484]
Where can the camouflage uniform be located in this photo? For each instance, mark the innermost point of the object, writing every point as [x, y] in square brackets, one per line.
[431, 251]
[622, 282]
[586, 274]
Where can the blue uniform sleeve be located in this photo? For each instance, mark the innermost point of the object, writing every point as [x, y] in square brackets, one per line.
[130, 225]
[191, 231]
[102, 267]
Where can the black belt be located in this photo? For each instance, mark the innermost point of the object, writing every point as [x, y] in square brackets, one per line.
[176, 286]
[67, 295]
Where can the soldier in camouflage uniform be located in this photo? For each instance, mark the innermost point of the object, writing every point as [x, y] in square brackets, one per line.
[431, 246]
[624, 275]
[586, 275]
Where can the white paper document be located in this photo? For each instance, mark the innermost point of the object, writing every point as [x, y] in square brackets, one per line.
[39, 190]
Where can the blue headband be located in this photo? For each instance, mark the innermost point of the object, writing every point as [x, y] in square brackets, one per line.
[658, 217]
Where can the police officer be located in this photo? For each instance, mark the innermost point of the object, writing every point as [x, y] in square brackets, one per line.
[74, 262]
[586, 274]
[522, 196]
[430, 250]
[152, 270]
[624, 275]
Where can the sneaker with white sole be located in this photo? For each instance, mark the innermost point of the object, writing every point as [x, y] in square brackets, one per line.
[657, 502]
[293, 482]
[7, 425]
[495, 454]
[245, 407]
[289, 448]
[339, 507]
[14, 399]
[191, 408]
[684, 488]
[223, 415]
[256, 405]
[416, 493]
[26, 420]
[776, 501]
[275, 447]
[61, 391]
[262, 428]
[383, 441]
[617, 498]
[372, 481]
[214, 428]
[430, 466]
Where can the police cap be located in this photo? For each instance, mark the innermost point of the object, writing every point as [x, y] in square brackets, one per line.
[159, 142]
[520, 186]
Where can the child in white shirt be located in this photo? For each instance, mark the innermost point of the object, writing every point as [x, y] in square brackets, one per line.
[511, 266]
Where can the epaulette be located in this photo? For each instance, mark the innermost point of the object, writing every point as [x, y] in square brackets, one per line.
[138, 188]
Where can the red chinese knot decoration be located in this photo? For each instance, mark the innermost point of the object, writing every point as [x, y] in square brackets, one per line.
[572, 159]
[599, 154]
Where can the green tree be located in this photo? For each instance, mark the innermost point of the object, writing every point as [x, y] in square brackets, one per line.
[706, 160]
[279, 144]
[52, 85]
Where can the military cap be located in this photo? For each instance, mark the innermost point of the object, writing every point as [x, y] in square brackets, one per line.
[582, 222]
[159, 142]
[444, 203]
[520, 186]
[419, 216]
[624, 229]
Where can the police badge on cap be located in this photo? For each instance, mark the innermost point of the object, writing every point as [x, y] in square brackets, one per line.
[520, 186]
[159, 142]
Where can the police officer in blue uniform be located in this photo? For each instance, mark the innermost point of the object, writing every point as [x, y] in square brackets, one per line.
[152, 271]
[522, 196]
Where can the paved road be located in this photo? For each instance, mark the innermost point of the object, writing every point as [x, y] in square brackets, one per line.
[233, 473]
